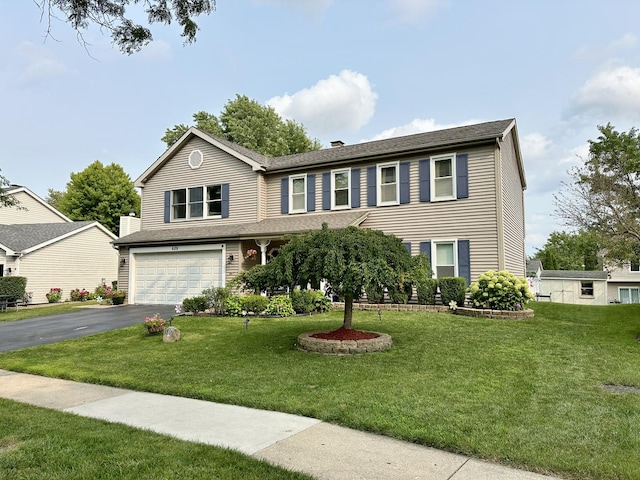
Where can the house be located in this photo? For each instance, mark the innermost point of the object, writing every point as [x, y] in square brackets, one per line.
[43, 245]
[580, 287]
[454, 194]
[623, 285]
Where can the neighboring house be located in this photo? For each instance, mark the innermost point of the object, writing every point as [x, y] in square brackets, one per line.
[43, 245]
[580, 287]
[623, 285]
[454, 194]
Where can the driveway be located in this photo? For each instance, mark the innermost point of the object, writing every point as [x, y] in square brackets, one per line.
[65, 326]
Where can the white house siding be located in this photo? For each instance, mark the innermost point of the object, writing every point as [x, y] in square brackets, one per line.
[34, 212]
[569, 291]
[513, 209]
[65, 264]
[218, 167]
[473, 218]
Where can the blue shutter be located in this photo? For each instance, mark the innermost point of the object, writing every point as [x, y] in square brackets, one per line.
[326, 191]
[405, 193]
[355, 188]
[371, 187]
[167, 206]
[464, 260]
[311, 193]
[425, 247]
[224, 193]
[284, 195]
[462, 175]
[407, 246]
[425, 180]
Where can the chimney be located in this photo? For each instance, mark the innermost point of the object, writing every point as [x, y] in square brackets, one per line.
[337, 143]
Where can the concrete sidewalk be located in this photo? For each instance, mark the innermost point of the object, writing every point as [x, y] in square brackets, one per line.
[294, 442]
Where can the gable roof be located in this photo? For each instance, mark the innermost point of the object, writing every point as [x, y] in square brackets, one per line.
[15, 189]
[26, 238]
[574, 274]
[265, 228]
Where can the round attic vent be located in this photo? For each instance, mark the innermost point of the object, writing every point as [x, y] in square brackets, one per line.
[195, 159]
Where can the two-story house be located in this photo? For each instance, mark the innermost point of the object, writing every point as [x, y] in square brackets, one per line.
[40, 243]
[455, 194]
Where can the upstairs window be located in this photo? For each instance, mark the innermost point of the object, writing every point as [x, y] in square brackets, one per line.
[189, 203]
[341, 189]
[634, 267]
[298, 195]
[388, 185]
[214, 200]
[443, 177]
[179, 203]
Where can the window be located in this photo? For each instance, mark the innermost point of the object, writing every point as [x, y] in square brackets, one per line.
[445, 259]
[388, 185]
[629, 294]
[341, 189]
[634, 267]
[189, 203]
[586, 289]
[298, 195]
[443, 175]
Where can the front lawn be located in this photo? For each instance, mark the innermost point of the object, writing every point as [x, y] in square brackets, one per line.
[22, 313]
[524, 393]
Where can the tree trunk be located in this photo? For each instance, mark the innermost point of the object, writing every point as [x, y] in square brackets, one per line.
[348, 311]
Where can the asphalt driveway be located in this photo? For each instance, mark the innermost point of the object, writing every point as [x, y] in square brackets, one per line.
[65, 326]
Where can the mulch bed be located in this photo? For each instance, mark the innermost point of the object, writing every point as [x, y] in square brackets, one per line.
[346, 334]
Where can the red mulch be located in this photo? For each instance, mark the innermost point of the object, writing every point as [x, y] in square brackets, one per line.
[346, 334]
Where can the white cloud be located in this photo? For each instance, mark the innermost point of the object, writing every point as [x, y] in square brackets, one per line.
[628, 40]
[338, 104]
[610, 94]
[38, 64]
[535, 146]
[418, 125]
[412, 11]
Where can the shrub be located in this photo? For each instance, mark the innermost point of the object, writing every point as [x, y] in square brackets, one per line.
[194, 305]
[375, 294]
[307, 301]
[452, 289]
[15, 287]
[500, 291]
[255, 303]
[54, 295]
[402, 291]
[216, 298]
[321, 302]
[280, 305]
[426, 291]
[77, 295]
[233, 306]
[103, 291]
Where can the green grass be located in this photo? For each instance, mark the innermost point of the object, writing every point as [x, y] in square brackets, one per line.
[37, 443]
[524, 393]
[11, 314]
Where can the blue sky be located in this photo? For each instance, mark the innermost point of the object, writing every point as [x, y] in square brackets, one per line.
[347, 70]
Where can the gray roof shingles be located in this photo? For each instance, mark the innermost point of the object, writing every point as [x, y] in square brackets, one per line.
[22, 237]
[575, 274]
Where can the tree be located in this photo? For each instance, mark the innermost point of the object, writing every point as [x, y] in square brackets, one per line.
[570, 251]
[247, 123]
[98, 193]
[348, 260]
[6, 200]
[111, 15]
[604, 198]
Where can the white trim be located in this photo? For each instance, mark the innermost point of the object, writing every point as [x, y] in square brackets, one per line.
[69, 234]
[149, 172]
[39, 200]
[333, 189]
[434, 255]
[379, 167]
[205, 204]
[432, 176]
[198, 164]
[304, 194]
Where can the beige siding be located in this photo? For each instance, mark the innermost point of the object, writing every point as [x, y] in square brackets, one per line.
[29, 210]
[569, 291]
[123, 268]
[512, 209]
[473, 218]
[218, 167]
[80, 261]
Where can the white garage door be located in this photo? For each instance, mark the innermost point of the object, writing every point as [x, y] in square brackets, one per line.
[169, 277]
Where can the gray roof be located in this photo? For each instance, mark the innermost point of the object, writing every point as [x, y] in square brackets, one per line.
[273, 227]
[23, 237]
[575, 274]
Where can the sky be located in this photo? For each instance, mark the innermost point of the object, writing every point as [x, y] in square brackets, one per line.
[347, 70]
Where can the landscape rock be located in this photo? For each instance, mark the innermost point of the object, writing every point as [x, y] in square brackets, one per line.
[171, 334]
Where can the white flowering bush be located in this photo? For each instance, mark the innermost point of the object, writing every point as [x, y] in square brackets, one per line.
[500, 291]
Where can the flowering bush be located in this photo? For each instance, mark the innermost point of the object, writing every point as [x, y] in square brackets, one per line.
[154, 321]
[77, 295]
[252, 254]
[54, 295]
[280, 305]
[500, 291]
[103, 291]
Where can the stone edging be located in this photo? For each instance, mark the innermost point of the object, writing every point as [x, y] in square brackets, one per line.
[469, 312]
[343, 347]
[502, 314]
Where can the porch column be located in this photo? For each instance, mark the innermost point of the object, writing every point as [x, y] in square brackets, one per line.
[263, 244]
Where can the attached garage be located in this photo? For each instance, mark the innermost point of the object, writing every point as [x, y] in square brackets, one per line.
[167, 275]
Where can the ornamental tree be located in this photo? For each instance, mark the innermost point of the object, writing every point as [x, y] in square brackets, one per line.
[348, 259]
